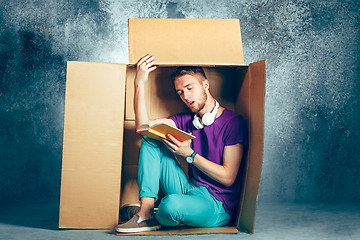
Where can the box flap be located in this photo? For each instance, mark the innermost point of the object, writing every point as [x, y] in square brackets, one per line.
[250, 104]
[186, 41]
[92, 145]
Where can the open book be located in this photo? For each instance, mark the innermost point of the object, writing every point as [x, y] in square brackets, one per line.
[159, 130]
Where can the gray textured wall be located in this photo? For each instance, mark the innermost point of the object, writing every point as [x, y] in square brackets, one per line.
[312, 96]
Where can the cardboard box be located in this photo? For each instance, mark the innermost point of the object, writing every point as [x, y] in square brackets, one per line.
[99, 117]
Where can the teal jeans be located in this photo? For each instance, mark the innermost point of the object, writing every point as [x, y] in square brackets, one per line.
[184, 202]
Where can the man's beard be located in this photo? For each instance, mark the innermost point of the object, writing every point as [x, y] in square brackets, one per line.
[202, 102]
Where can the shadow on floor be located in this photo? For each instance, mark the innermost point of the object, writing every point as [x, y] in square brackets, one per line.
[35, 215]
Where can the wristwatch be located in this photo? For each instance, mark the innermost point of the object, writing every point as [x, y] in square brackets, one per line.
[190, 159]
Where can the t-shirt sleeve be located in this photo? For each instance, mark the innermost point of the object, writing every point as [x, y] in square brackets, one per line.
[182, 121]
[236, 132]
[177, 119]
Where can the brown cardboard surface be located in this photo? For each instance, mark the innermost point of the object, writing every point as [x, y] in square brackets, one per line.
[251, 105]
[185, 230]
[186, 41]
[129, 185]
[132, 142]
[92, 145]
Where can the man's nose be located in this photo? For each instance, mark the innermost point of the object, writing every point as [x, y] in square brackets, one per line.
[186, 95]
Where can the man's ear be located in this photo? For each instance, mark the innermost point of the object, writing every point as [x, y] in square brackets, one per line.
[206, 84]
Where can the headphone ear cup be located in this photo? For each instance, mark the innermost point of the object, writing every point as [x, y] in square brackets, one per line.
[208, 119]
[196, 122]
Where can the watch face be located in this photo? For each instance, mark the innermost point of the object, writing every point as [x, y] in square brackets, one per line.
[189, 159]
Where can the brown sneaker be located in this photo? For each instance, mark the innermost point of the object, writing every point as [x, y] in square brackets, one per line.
[136, 224]
[127, 211]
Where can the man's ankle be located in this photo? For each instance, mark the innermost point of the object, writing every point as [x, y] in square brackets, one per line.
[145, 215]
[146, 208]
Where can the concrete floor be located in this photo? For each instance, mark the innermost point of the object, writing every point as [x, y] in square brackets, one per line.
[273, 221]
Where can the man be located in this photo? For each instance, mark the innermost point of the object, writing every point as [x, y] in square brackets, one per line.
[209, 196]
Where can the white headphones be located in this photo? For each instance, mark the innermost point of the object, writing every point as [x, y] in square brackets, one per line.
[207, 119]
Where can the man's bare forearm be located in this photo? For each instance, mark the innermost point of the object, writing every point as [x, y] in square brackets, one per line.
[143, 67]
[224, 174]
[141, 114]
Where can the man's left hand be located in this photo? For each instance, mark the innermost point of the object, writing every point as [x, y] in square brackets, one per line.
[179, 148]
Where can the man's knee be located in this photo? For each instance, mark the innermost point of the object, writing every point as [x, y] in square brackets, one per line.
[171, 203]
[170, 210]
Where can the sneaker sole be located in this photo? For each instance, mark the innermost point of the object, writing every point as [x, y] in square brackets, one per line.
[136, 230]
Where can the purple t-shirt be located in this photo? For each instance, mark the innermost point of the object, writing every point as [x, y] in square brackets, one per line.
[228, 129]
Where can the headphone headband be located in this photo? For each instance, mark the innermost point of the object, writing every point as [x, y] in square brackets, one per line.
[207, 119]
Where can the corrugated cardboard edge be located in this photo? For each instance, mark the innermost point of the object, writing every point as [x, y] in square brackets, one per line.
[255, 108]
[184, 230]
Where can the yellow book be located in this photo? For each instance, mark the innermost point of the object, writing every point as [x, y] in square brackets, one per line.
[159, 130]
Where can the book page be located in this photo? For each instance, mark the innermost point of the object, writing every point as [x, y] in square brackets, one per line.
[160, 130]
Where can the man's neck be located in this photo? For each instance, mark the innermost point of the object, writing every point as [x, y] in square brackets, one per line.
[209, 106]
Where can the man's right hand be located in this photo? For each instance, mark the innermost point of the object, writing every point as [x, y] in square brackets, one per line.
[143, 67]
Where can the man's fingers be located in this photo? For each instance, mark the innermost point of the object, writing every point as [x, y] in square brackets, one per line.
[146, 59]
[150, 60]
[173, 139]
[143, 59]
[152, 68]
[169, 144]
[148, 65]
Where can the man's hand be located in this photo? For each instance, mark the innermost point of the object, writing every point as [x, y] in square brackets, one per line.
[143, 67]
[179, 148]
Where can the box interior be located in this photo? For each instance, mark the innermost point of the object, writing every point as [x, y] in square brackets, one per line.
[163, 101]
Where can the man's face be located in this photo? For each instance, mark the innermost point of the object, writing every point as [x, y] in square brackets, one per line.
[191, 91]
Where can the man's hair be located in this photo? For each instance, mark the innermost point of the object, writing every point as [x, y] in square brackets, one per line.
[184, 70]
